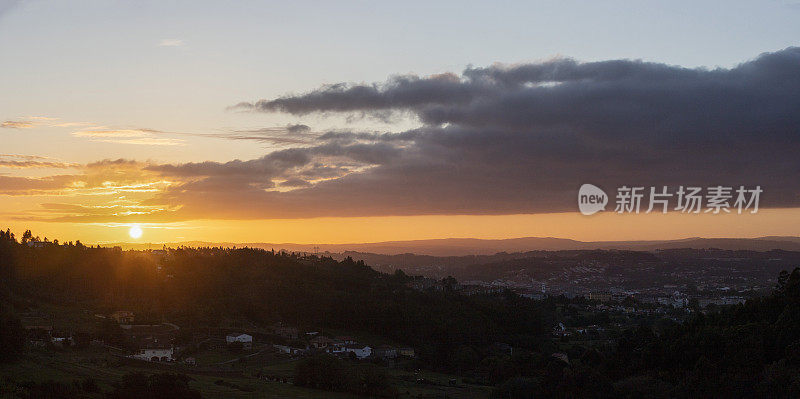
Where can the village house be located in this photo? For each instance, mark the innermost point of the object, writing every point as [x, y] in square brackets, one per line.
[61, 339]
[155, 353]
[360, 351]
[154, 349]
[245, 339]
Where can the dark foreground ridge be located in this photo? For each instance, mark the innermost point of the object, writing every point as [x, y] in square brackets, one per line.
[61, 308]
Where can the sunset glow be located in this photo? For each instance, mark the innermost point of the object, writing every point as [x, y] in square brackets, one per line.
[492, 145]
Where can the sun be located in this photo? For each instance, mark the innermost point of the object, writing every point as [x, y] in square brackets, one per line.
[135, 231]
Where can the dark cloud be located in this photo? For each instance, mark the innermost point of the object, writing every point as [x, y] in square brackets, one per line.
[610, 100]
[522, 138]
[298, 128]
[285, 163]
[398, 92]
[516, 139]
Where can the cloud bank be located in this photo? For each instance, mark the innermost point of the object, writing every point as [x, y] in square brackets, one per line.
[507, 139]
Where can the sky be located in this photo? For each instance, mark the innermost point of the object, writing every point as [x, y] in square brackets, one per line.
[335, 122]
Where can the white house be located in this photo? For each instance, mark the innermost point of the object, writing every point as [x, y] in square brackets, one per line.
[361, 352]
[62, 341]
[245, 339]
[155, 354]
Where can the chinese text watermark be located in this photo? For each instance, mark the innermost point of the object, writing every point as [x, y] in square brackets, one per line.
[686, 199]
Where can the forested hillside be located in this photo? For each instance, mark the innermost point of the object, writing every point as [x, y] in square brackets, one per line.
[499, 339]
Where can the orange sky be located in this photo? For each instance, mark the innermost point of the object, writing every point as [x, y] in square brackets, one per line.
[599, 227]
[195, 124]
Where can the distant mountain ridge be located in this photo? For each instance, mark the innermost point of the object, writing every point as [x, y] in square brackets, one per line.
[476, 246]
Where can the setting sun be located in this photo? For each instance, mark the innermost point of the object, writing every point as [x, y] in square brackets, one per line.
[135, 231]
